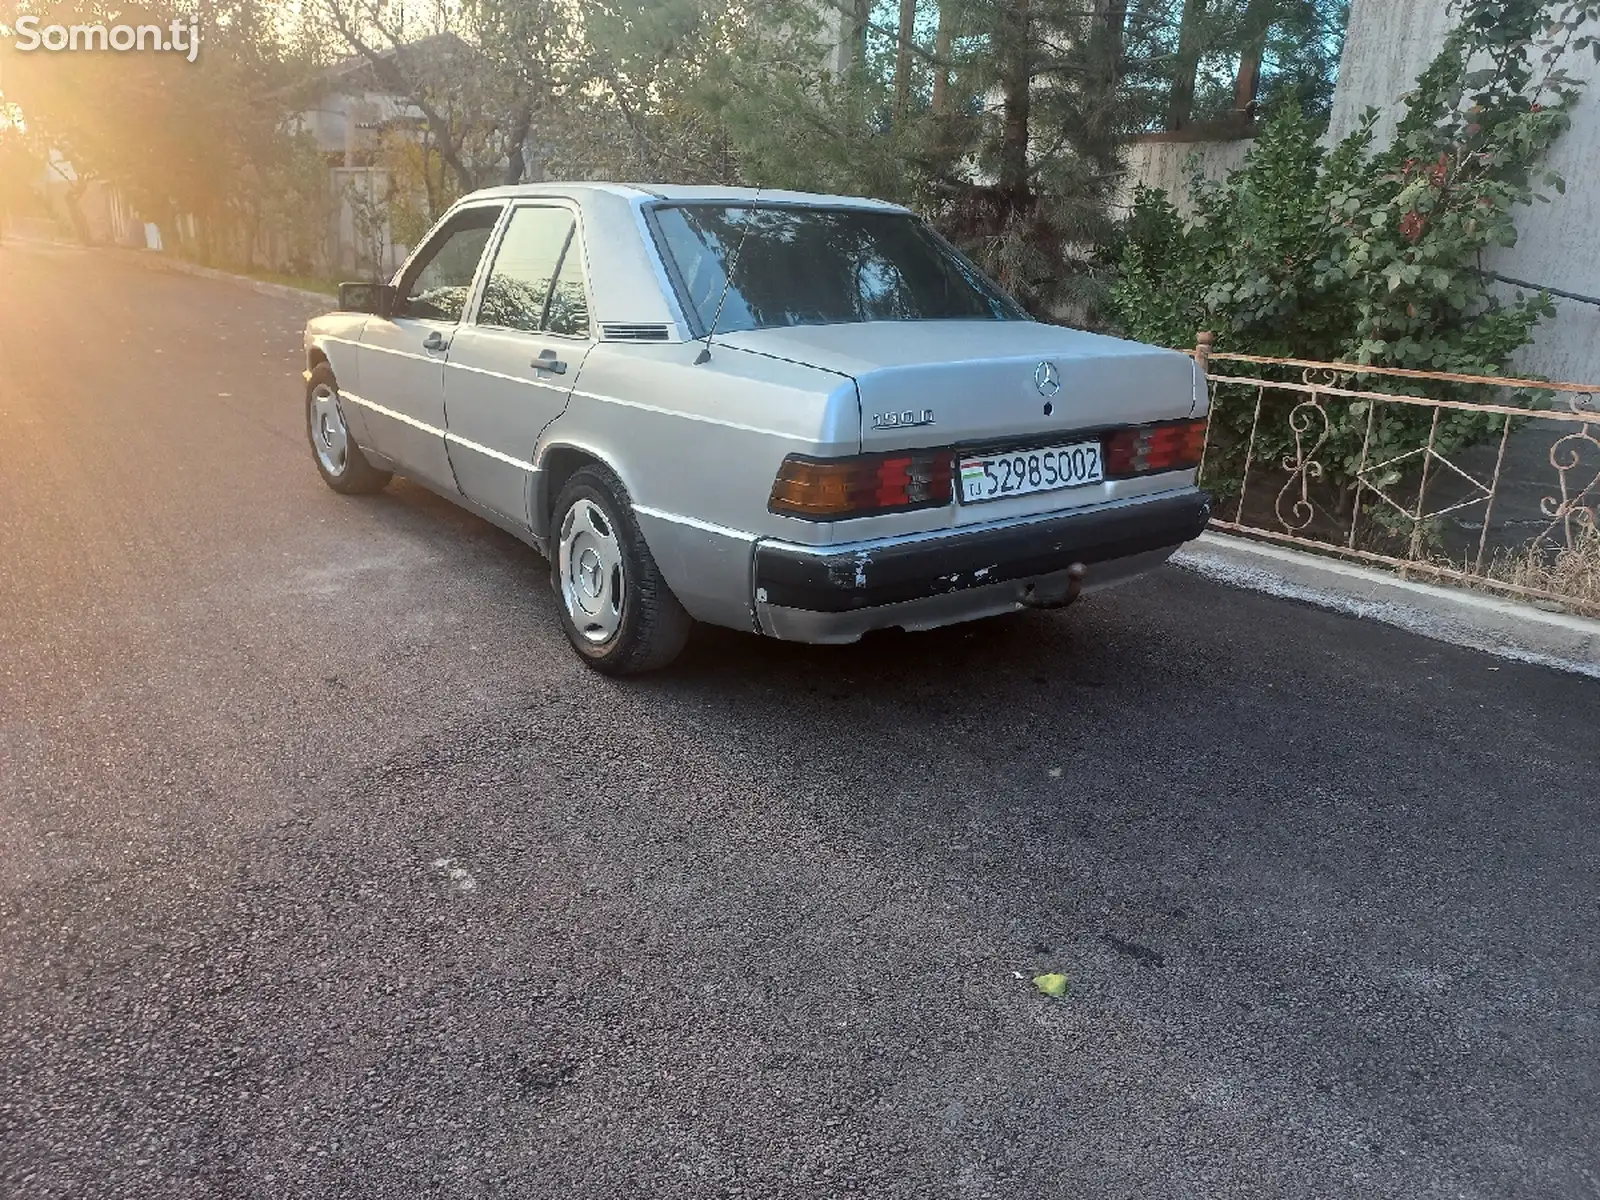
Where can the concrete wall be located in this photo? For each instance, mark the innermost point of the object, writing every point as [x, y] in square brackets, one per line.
[1387, 46]
[1165, 165]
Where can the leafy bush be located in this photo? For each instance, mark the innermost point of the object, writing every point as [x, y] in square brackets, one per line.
[1365, 256]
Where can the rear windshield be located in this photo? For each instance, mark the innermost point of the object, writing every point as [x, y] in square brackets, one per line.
[819, 266]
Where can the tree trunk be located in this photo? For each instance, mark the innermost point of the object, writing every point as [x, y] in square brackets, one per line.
[1253, 45]
[434, 187]
[1015, 81]
[516, 159]
[856, 15]
[74, 202]
[1190, 34]
[1110, 32]
[1108, 45]
[941, 52]
[902, 57]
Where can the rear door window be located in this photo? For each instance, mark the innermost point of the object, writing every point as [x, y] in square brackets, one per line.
[526, 267]
[568, 313]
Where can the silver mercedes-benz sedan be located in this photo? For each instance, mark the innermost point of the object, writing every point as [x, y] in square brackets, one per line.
[802, 416]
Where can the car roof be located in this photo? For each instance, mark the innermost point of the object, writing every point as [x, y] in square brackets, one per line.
[675, 193]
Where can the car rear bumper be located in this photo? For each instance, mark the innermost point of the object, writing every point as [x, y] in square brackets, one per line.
[921, 581]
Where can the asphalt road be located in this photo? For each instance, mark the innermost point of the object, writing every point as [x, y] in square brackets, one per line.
[326, 870]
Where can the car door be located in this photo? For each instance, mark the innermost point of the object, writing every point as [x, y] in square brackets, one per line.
[402, 356]
[510, 372]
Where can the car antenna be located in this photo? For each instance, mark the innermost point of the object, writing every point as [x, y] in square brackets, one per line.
[727, 281]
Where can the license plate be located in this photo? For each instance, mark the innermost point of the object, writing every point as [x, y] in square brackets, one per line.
[994, 476]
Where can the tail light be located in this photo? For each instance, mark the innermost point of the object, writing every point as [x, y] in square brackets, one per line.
[1171, 446]
[830, 489]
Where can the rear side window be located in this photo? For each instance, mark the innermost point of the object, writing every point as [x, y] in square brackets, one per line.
[791, 265]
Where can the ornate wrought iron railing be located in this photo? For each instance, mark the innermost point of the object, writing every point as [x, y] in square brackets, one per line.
[1463, 478]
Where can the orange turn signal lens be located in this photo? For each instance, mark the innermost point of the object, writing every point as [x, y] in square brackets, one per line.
[831, 489]
[813, 489]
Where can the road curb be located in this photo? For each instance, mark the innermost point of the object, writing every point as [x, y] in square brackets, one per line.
[164, 262]
[1463, 618]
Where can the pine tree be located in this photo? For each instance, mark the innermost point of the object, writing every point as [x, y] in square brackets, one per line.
[997, 118]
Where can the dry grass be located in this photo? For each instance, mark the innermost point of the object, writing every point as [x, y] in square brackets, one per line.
[1568, 572]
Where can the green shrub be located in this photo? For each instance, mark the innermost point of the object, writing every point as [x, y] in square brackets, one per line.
[1367, 256]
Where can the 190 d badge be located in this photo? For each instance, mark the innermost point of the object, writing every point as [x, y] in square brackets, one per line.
[902, 420]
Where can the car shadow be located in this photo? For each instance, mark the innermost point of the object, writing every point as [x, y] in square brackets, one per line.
[998, 647]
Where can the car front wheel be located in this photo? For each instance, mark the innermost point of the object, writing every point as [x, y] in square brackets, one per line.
[339, 460]
[616, 608]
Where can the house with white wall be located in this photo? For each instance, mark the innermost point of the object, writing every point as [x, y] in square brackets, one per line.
[347, 112]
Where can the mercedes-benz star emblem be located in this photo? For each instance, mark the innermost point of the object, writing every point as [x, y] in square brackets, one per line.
[1047, 379]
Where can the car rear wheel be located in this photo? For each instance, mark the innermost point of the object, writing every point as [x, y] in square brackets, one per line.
[617, 610]
[339, 460]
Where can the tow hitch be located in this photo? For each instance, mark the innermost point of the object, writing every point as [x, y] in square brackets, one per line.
[1075, 573]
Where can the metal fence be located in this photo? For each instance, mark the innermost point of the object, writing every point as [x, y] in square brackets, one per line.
[1489, 481]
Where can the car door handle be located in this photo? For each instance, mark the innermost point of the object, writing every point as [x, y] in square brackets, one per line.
[434, 341]
[547, 361]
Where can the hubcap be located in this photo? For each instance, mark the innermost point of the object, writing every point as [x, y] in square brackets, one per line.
[329, 438]
[590, 562]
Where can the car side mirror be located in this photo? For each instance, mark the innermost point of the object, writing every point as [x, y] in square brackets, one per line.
[375, 298]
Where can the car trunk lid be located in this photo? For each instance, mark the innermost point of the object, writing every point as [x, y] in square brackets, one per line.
[956, 383]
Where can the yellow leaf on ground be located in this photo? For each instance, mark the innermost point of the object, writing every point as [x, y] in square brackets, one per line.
[1051, 985]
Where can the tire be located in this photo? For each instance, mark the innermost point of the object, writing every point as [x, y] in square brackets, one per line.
[339, 460]
[617, 610]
